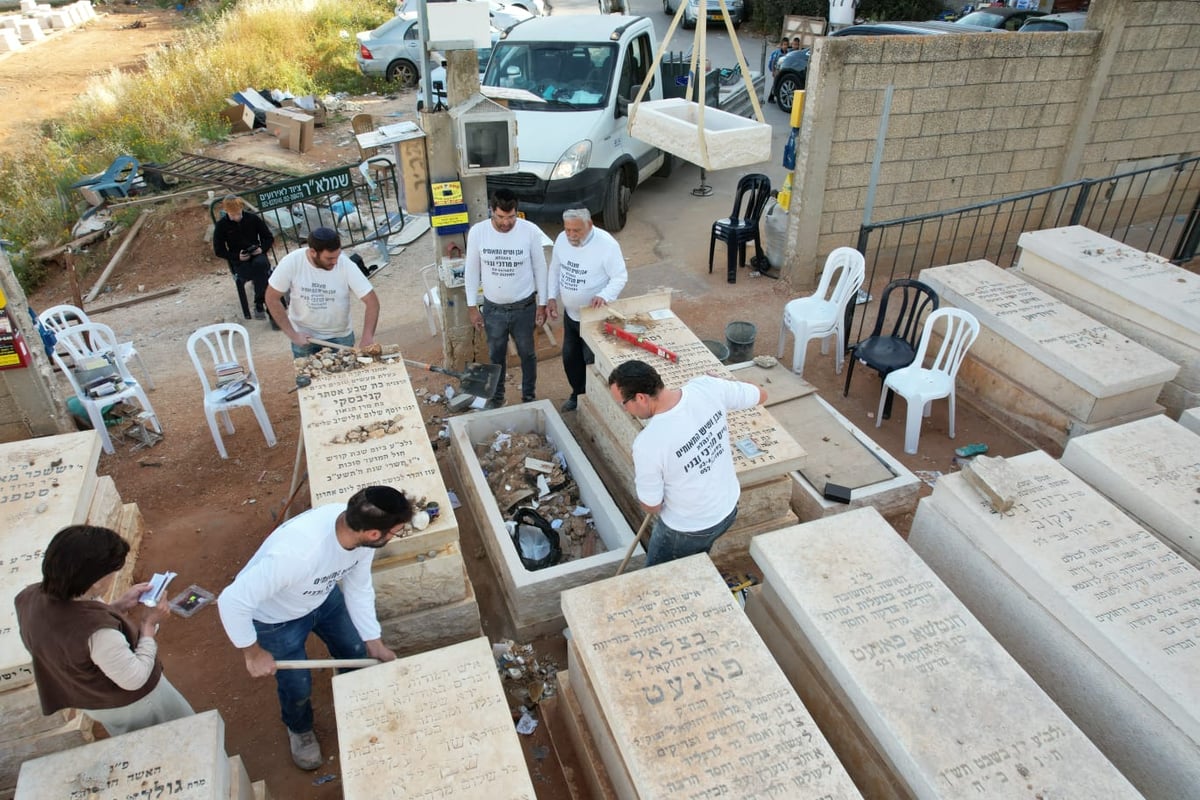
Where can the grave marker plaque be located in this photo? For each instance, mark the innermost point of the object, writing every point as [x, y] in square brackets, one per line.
[45, 485]
[1101, 613]
[183, 760]
[430, 725]
[907, 660]
[335, 404]
[695, 703]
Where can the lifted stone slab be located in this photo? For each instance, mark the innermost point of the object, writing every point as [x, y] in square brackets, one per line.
[533, 597]
[431, 725]
[334, 404]
[1150, 468]
[184, 760]
[682, 695]
[48, 484]
[1099, 612]
[893, 662]
[1086, 368]
[725, 140]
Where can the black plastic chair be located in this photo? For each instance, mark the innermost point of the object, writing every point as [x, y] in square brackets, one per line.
[886, 353]
[737, 230]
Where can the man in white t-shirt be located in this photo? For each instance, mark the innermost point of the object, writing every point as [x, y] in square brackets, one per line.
[319, 280]
[587, 268]
[682, 461]
[505, 258]
[313, 575]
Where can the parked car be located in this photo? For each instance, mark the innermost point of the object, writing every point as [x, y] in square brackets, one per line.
[737, 12]
[392, 51]
[793, 67]
[1053, 23]
[1002, 19]
[536, 8]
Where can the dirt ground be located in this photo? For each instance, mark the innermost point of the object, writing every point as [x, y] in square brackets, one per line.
[206, 516]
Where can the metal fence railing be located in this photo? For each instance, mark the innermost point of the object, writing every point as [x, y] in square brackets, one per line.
[1155, 209]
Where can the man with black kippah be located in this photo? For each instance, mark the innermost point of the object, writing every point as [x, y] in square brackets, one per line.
[318, 280]
[313, 575]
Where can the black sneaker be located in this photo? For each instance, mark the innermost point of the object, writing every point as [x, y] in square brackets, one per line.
[527, 398]
[260, 314]
[496, 401]
[571, 403]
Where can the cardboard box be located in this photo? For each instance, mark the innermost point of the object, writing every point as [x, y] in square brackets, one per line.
[240, 116]
[293, 128]
[309, 104]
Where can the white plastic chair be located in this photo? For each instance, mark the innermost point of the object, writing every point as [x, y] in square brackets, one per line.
[227, 343]
[920, 385]
[822, 314]
[90, 340]
[58, 318]
[432, 297]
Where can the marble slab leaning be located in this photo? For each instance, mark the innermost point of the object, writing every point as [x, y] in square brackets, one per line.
[336, 403]
[1103, 615]
[1150, 468]
[46, 484]
[688, 695]
[906, 661]
[182, 760]
[431, 725]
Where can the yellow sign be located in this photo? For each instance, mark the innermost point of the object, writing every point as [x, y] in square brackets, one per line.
[447, 193]
[442, 220]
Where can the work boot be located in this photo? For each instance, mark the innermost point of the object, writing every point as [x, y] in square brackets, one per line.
[571, 403]
[496, 402]
[527, 398]
[260, 313]
[306, 750]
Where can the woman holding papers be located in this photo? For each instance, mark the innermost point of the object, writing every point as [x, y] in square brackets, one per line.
[89, 654]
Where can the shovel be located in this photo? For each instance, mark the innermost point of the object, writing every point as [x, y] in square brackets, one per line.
[480, 380]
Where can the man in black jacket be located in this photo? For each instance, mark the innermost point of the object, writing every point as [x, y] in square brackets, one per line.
[243, 239]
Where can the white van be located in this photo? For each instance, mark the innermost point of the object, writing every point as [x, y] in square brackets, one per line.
[570, 80]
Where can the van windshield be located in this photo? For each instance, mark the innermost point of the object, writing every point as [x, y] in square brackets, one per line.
[565, 76]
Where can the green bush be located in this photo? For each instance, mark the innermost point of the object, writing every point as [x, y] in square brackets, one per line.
[172, 105]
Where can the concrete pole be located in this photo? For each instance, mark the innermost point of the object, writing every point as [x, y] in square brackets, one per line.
[41, 408]
[461, 343]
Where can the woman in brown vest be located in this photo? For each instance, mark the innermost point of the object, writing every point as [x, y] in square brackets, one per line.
[88, 654]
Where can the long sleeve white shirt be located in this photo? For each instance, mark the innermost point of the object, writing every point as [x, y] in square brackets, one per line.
[293, 572]
[594, 269]
[509, 266]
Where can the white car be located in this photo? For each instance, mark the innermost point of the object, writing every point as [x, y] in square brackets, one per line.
[535, 8]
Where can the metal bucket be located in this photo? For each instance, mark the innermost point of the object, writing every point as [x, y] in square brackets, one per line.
[718, 349]
[739, 336]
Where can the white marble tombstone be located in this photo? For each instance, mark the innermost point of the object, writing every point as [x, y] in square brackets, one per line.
[1150, 468]
[1101, 613]
[435, 724]
[685, 697]
[182, 760]
[905, 662]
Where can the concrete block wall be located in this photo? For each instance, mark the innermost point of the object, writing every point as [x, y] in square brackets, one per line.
[976, 117]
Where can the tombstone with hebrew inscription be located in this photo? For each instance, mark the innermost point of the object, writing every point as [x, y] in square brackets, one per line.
[683, 698]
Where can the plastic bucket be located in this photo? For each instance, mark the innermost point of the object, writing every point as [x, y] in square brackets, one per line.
[740, 338]
[717, 349]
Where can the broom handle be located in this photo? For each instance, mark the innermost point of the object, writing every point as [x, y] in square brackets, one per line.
[320, 663]
[641, 531]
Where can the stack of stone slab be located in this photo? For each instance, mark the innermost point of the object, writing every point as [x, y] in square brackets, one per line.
[423, 596]
[183, 760]
[1141, 295]
[1041, 367]
[1151, 469]
[532, 596]
[1101, 614]
[676, 694]
[47, 484]
[765, 480]
[836, 452]
[430, 725]
[893, 668]
[36, 20]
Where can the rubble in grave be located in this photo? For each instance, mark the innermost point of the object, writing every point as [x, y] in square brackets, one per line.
[526, 470]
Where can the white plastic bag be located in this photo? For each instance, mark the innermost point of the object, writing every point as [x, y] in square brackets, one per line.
[774, 222]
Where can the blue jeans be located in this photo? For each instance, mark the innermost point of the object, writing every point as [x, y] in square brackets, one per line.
[285, 640]
[302, 350]
[667, 544]
[516, 320]
[576, 355]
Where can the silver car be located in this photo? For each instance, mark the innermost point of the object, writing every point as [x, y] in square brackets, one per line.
[392, 51]
[737, 12]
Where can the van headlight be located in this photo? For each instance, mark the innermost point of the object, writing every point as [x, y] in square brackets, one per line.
[573, 161]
